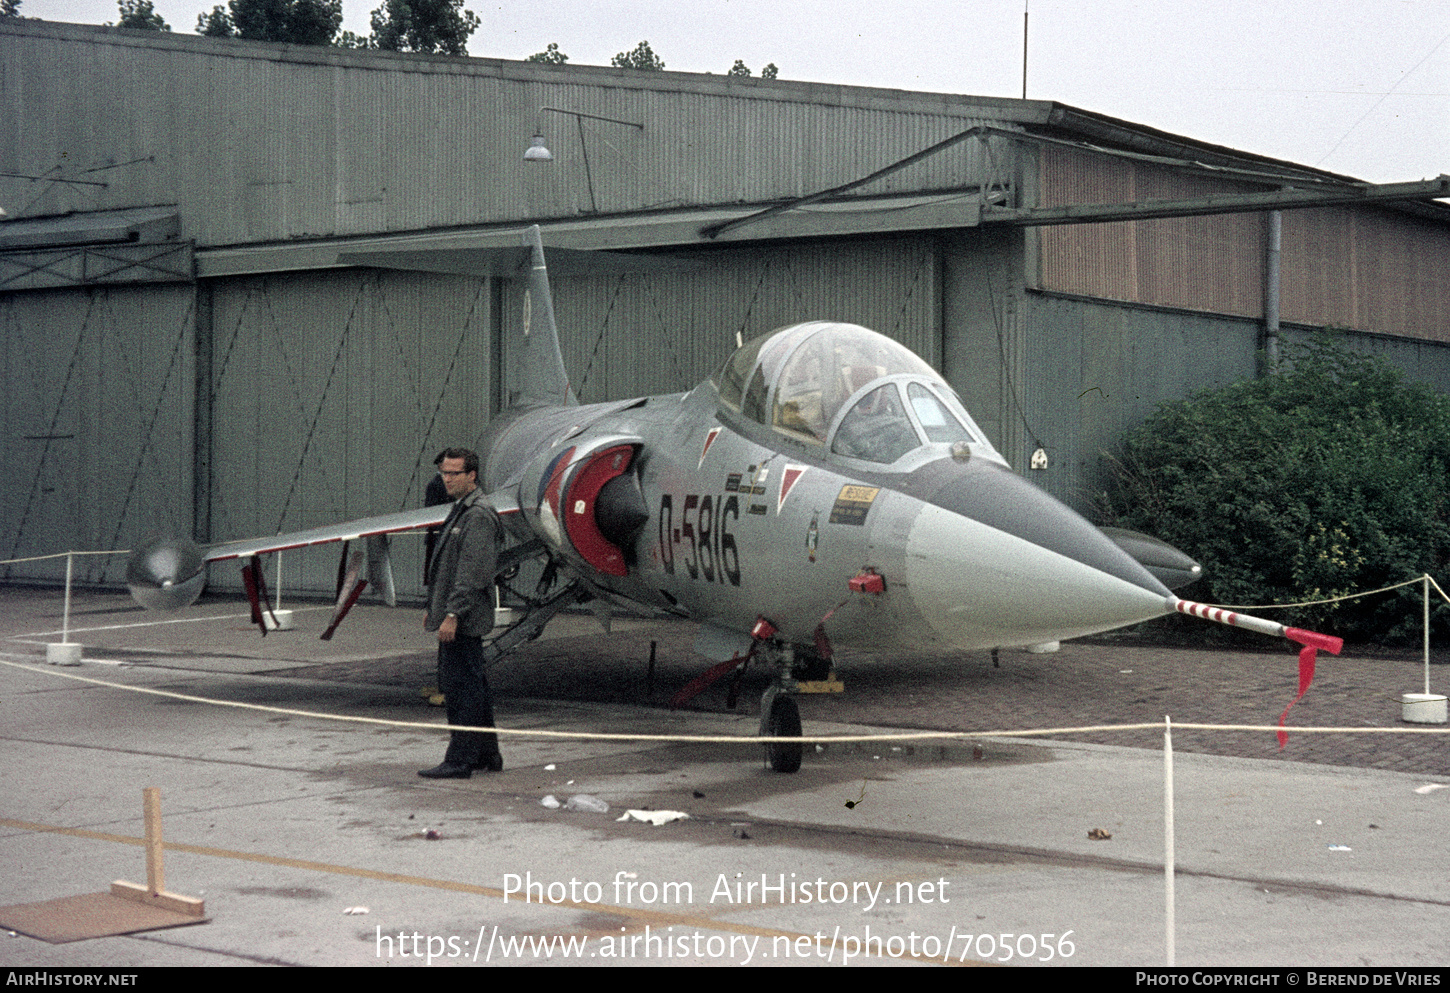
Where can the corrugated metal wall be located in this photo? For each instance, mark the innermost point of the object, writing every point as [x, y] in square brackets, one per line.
[983, 329]
[332, 394]
[1426, 362]
[1372, 270]
[97, 423]
[284, 142]
[1203, 263]
[1094, 370]
[1369, 270]
[639, 334]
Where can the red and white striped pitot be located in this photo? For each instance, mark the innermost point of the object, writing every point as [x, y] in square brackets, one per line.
[1228, 617]
[1311, 641]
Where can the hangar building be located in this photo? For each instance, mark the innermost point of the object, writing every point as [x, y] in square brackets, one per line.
[249, 287]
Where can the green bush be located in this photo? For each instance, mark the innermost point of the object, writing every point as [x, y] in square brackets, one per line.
[1325, 479]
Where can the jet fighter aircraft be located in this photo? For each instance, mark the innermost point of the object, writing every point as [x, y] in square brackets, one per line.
[825, 488]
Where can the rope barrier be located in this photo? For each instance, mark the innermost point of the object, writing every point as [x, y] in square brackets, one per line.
[1336, 599]
[720, 739]
[61, 555]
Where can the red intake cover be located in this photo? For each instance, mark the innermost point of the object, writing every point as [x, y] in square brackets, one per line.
[578, 509]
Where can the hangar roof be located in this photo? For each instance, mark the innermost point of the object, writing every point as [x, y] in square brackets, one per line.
[284, 157]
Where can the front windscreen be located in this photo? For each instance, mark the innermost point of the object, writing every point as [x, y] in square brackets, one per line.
[939, 423]
[876, 428]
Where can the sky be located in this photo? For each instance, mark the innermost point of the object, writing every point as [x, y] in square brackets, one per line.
[1357, 87]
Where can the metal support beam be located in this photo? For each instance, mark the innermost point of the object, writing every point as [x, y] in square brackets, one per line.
[1226, 203]
[982, 131]
[1272, 253]
[90, 265]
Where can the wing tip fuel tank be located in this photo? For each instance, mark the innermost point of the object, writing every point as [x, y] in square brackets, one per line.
[166, 574]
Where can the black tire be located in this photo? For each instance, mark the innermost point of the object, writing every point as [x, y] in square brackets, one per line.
[785, 722]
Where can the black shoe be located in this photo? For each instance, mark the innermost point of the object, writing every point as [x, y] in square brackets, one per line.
[490, 763]
[446, 770]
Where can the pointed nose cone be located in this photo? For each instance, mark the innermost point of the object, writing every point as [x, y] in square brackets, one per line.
[993, 560]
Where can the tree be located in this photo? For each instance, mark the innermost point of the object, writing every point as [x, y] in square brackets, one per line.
[643, 57]
[298, 22]
[217, 24]
[741, 69]
[9, 10]
[141, 15]
[439, 26]
[551, 56]
[1328, 478]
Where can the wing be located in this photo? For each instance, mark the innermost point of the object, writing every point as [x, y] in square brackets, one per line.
[367, 527]
[374, 530]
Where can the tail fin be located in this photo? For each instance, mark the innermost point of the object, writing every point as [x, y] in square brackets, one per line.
[545, 381]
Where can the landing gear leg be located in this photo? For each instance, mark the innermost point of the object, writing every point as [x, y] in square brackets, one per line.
[532, 624]
[797, 670]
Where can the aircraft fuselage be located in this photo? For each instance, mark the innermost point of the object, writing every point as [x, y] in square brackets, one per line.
[736, 521]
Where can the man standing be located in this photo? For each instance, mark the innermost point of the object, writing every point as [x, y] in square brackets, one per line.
[460, 609]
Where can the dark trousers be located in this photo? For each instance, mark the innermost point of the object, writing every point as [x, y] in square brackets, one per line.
[464, 685]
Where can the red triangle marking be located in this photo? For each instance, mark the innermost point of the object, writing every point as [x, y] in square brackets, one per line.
[709, 440]
[787, 480]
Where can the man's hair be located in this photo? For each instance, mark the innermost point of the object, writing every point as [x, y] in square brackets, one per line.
[468, 455]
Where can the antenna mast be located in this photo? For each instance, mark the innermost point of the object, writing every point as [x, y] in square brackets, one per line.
[1024, 49]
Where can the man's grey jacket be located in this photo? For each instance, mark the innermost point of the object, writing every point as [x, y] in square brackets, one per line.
[465, 563]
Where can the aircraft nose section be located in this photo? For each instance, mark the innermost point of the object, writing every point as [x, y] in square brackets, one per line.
[994, 560]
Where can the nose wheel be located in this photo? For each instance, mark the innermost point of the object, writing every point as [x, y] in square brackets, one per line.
[781, 718]
[798, 670]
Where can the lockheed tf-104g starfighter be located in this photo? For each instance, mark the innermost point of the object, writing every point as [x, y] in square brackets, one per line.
[825, 488]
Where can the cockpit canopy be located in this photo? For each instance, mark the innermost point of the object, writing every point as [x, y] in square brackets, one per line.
[848, 389]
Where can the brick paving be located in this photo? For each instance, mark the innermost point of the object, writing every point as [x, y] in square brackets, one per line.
[1106, 681]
